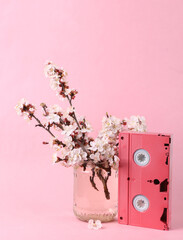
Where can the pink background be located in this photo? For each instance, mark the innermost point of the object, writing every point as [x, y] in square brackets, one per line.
[124, 57]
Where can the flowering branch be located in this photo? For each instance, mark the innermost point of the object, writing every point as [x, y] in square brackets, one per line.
[78, 149]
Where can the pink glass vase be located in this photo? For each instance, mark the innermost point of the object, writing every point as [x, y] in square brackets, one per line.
[90, 203]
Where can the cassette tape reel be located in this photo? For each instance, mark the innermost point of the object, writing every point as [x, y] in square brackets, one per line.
[141, 157]
[143, 198]
[140, 203]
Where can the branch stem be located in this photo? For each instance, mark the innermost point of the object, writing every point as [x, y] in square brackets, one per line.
[104, 182]
[41, 125]
[74, 115]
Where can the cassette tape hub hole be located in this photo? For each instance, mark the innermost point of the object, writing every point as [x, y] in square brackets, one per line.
[156, 181]
[140, 203]
[141, 157]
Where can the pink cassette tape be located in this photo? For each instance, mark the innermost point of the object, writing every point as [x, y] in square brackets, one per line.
[143, 196]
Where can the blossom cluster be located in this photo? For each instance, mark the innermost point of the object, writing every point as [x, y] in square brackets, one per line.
[104, 147]
[72, 144]
[73, 149]
[58, 81]
[25, 109]
[137, 123]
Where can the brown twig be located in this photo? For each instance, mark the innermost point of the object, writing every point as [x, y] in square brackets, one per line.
[75, 118]
[41, 125]
[100, 165]
[108, 174]
[44, 107]
[74, 115]
[59, 160]
[80, 144]
[84, 165]
[59, 125]
[92, 179]
[104, 182]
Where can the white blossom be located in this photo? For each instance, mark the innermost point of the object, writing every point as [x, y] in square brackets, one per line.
[68, 130]
[137, 123]
[70, 109]
[94, 224]
[49, 70]
[63, 152]
[68, 91]
[62, 155]
[76, 156]
[20, 105]
[97, 144]
[69, 142]
[67, 114]
[83, 155]
[78, 134]
[95, 157]
[54, 158]
[87, 128]
[53, 118]
[115, 162]
[54, 83]
[53, 145]
[25, 109]
[54, 109]
[111, 123]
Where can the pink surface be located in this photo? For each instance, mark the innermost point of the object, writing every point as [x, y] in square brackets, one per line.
[124, 57]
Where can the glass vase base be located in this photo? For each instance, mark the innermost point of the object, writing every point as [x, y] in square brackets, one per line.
[103, 217]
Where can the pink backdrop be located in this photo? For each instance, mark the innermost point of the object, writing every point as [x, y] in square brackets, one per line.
[124, 57]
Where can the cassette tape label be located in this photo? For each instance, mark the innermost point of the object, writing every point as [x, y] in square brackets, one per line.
[144, 180]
